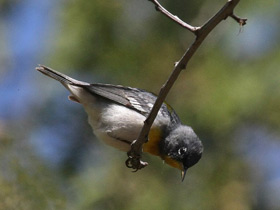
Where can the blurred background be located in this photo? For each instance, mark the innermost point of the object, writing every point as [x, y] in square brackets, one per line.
[49, 157]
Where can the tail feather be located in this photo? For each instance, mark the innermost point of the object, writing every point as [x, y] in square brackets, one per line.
[64, 79]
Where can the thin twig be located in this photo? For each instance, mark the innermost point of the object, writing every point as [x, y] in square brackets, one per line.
[241, 21]
[134, 155]
[175, 18]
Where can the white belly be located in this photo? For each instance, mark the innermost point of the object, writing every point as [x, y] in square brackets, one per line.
[115, 124]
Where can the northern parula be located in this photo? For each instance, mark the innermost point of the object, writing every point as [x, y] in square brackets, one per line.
[117, 113]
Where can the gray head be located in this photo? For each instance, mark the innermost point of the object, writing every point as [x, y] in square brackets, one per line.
[182, 148]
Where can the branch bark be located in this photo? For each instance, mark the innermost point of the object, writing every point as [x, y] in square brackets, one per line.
[134, 155]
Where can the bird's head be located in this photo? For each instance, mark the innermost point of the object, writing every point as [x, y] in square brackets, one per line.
[182, 148]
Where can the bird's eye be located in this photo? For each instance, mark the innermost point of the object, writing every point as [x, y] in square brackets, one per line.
[182, 150]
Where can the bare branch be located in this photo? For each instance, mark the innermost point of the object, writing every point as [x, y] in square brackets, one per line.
[134, 155]
[173, 17]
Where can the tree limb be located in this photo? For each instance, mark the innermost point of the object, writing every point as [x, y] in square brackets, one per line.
[134, 155]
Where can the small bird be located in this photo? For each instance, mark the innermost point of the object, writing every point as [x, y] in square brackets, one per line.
[117, 114]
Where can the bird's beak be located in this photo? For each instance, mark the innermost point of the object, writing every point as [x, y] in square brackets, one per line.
[183, 174]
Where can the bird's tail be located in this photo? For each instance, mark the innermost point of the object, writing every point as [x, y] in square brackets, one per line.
[64, 79]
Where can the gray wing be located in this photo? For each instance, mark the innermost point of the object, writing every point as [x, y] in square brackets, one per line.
[133, 98]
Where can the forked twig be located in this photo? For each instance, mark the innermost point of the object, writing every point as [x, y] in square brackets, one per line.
[134, 155]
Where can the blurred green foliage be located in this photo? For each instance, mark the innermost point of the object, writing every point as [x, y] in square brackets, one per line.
[25, 182]
[128, 43]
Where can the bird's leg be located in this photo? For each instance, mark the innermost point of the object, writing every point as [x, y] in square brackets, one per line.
[134, 160]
